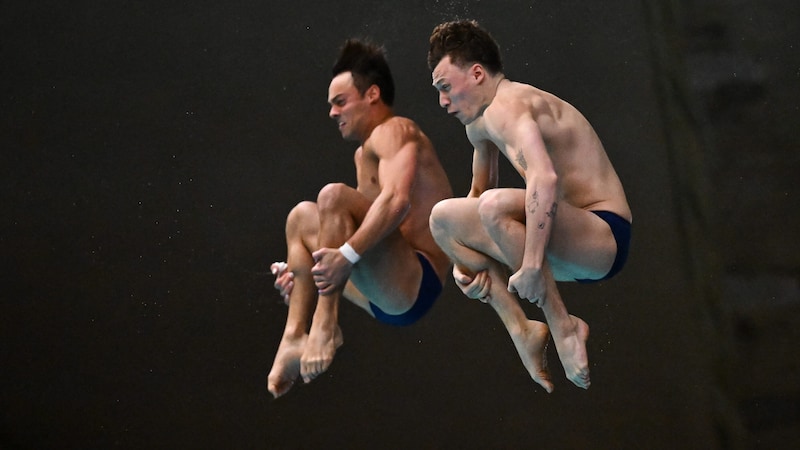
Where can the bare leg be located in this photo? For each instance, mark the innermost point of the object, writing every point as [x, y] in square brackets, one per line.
[570, 334]
[502, 215]
[530, 337]
[286, 367]
[302, 228]
[325, 337]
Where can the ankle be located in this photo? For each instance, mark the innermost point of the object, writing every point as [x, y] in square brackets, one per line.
[292, 332]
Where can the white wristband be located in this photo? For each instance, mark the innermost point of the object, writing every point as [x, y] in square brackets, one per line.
[349, 254]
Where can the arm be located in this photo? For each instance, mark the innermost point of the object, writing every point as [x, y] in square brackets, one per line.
[485, 176]
[484, 170]
[526, 149]
[397, 152]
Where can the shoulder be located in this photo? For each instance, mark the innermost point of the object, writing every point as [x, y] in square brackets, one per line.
[393, 133]
[512, 101]
[396, 126]
[516, 104]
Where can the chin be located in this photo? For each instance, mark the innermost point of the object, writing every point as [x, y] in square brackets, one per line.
[466, 120]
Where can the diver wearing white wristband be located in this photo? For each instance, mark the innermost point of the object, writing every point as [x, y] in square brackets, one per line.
[349, 254]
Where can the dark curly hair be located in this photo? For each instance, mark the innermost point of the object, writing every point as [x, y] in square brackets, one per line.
[465, 42]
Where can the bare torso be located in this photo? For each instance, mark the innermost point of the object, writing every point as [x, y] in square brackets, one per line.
[586, 178]
[430, 184]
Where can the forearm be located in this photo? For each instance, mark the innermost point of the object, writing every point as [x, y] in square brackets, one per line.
[481, 184]
[484, 172]
[384, 216]
[540, 209]
[475, 191]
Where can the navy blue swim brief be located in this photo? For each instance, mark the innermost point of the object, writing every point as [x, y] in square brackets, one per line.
[621, 229]
[429, 289]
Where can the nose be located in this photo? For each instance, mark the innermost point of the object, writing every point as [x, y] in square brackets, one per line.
[334, 112]
[444, 100]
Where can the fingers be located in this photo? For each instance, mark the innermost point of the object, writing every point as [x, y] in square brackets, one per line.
[460, 277]
[319, 254]
[284, 283]
[285, 287]
[479, 288]
[284, 279]
[476, 287]
[318, 275]
[512, 284]
[485, 285]
[278, 267]
[325, 288]
[536, 299]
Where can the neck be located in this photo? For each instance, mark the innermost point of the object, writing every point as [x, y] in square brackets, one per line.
[490, 90]
[494, 85]
[378, 117]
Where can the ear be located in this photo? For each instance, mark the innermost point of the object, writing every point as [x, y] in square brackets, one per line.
[477, 72]
[373, 93]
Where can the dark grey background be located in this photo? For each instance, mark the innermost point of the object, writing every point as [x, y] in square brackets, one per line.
[151, 151]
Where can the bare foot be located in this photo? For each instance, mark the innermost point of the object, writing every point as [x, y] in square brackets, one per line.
[286, 367]
[531, 343]
[319, 352]
[571, 347]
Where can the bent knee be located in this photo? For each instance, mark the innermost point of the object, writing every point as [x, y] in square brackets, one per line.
[441, 218]
[331, 195]
[303, 212]
[491, 208]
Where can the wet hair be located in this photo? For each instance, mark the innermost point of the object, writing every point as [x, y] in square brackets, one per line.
[367, 63]
[465, 42]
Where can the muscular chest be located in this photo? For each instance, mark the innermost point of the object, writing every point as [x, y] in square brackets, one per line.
[367, 174]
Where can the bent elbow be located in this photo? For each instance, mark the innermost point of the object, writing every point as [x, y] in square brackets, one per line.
[401, 204]
[545, 180]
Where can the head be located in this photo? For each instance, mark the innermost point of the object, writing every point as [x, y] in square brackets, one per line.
[464, 60]
[466, 43]
[361, 81]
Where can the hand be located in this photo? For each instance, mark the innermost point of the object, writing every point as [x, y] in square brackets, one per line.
[331, 270]
[476, 287]
[529, 284]
[284, 279]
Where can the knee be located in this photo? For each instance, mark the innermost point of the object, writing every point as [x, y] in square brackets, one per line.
[330, 196]
[303, 212]
[440, 220]
[490, 209]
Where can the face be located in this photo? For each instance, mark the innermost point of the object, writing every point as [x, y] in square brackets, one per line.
[348, 106]
[456, 90]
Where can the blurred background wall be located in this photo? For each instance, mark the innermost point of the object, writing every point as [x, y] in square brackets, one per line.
[151, 152]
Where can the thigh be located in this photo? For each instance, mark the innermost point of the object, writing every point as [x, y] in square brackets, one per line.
[459, 220]
[581, 245]
[388, 275]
